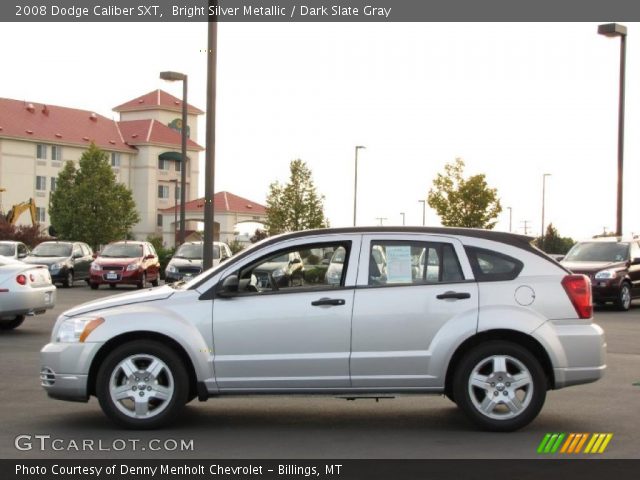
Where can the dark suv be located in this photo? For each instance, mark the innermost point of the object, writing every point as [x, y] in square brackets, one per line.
[612, 264]
[67, 261]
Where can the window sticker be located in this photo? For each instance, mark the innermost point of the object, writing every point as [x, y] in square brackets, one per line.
[399, 264]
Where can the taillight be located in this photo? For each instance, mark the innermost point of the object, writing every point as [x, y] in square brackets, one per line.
[578, 288]
[21, 279]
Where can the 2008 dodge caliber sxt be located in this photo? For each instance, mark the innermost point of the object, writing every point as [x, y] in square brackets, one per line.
[479, 316]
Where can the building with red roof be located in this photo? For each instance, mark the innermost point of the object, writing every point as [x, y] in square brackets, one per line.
[144, 146]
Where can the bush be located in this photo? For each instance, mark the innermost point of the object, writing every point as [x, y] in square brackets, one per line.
[164, 254]
[236, 246]
[28, 234]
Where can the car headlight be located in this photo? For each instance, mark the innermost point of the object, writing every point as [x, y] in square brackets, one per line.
[172, 269]
[56, 266]
[606, 274]
[278, 273]
[74, 330]
[96, 266]
[132, 266]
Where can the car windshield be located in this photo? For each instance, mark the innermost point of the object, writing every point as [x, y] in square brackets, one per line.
[7, 249]
[52, 250]
[193, 251]
[598, 252]
[122, 250]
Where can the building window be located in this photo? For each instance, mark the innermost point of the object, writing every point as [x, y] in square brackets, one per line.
[41, 183]
[178, 166]
[163, 191]
[40, 214]
[159, 221]
[53, 184]
[163, 164]
[115, 159]
[56, 153]
[177, 197]
[41, 152]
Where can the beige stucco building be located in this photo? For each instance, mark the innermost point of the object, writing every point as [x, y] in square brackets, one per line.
[143, 146]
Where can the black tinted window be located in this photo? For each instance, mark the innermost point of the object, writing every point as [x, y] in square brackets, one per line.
[490, 266]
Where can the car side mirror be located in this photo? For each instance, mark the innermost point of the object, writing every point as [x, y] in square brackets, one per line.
[635, 261]
[149, 257]
[295, 261]
[229, 287]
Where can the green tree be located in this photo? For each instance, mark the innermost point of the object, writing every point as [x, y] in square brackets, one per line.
[462, 202]
[295, 206]
[552, 242]
[89, 204]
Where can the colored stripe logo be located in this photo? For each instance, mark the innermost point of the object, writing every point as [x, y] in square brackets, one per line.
[574, 443]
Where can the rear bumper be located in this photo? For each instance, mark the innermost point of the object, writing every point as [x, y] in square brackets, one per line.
[28, 302]
[577, 351]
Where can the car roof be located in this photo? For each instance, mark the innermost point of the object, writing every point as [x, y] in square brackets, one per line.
[61, 242]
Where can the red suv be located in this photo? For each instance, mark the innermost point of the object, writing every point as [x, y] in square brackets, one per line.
[127, 262]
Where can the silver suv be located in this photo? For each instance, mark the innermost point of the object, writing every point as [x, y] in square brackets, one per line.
[488, 321]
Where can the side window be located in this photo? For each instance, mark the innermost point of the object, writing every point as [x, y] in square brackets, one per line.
[411, 262]
[77, 251]
[296, 269]
[635, 250]
[22, 250]
[490, 266]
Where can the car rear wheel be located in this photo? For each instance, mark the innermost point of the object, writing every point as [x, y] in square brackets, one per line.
[12, 323]
[624, 297]
[142, 385]
[500, 386]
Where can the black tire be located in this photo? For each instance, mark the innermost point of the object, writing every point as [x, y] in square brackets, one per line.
[143, 281]
[623, 303]
[177, 370]
[68, 280]
[155, 282]
[94, 286]
[532, 396]
[13, 323]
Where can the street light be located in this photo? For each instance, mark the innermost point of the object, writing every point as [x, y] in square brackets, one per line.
[617, 30]
[510, 216]
[402, 213]
[424, 209]
[174, 77]
[544, 178]
[355, 185]
[175, 210]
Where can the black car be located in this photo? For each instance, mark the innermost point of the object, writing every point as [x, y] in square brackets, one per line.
[612, 264]
[67, 261]
[284, 270]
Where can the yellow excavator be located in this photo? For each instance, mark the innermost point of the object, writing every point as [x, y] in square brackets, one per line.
[17, 210]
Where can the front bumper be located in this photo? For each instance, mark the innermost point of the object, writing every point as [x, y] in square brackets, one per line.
[131, 277]
[577, 351]
[64, 369]
[170, 277]
[27, 302]
[605, 290]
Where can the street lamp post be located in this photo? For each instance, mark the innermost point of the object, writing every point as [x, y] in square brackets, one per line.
[510, 217]
[355, 184]
[175, 210]
[544, 179]
[402, 213]
[424, 208]
[617, 30]
[173, 77]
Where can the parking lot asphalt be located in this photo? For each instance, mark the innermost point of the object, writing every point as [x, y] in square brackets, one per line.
[309, 427]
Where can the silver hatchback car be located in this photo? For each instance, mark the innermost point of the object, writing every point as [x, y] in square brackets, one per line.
[489, 321]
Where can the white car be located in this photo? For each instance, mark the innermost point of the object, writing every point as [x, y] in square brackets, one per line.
[187, 261]
[13, 249]
[24, 290]
[493, 327]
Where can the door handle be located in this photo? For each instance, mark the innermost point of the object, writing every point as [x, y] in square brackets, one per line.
[328, 301]
[453, 295]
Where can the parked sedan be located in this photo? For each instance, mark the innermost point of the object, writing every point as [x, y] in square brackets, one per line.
[24, 290]
[282, 271]
[67, 261]
[499, 325]
[13, 249]
[187, 261]
[126, 262]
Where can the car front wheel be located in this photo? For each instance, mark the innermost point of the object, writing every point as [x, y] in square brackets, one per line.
[624, 297]
[142, 385]
[500, 386]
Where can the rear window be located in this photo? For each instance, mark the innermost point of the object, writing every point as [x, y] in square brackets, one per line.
[491, 266]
